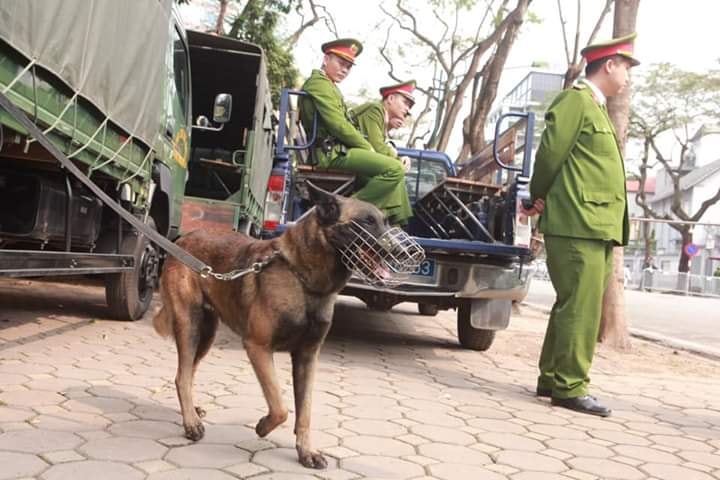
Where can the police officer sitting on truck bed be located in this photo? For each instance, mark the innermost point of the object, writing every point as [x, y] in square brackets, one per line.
[340, 145]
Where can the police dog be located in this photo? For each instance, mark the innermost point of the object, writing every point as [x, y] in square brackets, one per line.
[287, 306]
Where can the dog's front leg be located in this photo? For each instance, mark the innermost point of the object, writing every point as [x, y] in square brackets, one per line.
[261, 358]
[304, 362]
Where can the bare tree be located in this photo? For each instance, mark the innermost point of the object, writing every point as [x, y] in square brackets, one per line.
[219, 29]
[457, 61]
[572, 52]
[613, 325]
[319, 12]
[670, 101]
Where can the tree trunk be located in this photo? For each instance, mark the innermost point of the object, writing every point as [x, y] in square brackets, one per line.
[221, 17]
[684, 262]
[613, 325]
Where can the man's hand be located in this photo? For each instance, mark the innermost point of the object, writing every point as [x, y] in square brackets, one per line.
[536, 209]
[395, 122]
[406, 163]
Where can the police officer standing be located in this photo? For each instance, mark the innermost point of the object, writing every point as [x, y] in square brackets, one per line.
[375, 119]
[339, 144]
[578, 186]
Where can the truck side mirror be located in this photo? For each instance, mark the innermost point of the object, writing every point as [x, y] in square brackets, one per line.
[222, 108]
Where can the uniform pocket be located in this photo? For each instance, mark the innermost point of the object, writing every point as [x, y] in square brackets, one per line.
[603, 140]
[596, 205]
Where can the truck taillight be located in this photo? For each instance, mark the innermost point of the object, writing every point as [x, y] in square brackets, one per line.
[274, 202]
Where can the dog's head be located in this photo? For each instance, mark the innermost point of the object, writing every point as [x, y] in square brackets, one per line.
[369, 247]
[336, 214]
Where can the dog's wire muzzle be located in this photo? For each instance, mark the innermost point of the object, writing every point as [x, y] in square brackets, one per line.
[383, 261]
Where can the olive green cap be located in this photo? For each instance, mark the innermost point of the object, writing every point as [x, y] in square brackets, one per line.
[347, 48]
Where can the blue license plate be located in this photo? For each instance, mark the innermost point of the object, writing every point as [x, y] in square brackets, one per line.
[426, 269]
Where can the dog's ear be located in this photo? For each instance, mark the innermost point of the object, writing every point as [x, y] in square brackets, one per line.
[327, 206]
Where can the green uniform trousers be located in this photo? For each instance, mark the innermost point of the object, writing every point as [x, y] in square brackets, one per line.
[383, 180]
[579, 271]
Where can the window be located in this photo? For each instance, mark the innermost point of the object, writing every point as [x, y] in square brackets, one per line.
[178, 88]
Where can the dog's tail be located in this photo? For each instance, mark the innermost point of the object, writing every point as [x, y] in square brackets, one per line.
[163, 323]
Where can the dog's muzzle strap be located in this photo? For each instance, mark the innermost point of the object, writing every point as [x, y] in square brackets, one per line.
[255, 268]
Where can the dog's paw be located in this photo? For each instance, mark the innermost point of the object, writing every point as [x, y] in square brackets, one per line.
[312, 459]
[268, 423]
[200, 412]
[195, 431]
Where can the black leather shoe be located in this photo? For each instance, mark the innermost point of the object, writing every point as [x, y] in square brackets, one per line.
[584, 404]
[543, 392]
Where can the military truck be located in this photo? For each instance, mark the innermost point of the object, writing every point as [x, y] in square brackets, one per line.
[466, 217]
[115, 88]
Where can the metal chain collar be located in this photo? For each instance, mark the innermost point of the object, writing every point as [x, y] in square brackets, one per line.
[256, 268]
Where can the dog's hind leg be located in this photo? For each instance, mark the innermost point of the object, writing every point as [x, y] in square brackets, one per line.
[304, 363]
[205, 335]
[261, 358]
[187, 326]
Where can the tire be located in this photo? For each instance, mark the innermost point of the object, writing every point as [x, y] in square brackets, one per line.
[428, 309]
[128, 294]
[470, 337]
[380, 303]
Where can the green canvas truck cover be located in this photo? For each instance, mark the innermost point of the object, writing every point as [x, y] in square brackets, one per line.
[112, 52]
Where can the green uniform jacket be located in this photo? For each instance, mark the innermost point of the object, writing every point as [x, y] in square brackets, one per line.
[579, 171]
[333, 121]
[370, 118]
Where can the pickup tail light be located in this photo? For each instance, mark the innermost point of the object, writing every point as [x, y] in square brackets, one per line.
[274, 202]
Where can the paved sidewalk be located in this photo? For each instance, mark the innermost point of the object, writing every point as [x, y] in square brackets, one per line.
[84, 398]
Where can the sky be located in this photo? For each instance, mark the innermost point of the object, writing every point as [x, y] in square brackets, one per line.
[683, 33]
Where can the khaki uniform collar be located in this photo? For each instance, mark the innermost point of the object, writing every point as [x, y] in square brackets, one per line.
[599, 96]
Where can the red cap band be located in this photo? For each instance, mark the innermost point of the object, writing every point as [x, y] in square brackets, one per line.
[625, 49]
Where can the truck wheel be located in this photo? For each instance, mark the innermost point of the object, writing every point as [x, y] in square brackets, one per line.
[470, 337]
[128, 294]
[380, 302]
[428, 309]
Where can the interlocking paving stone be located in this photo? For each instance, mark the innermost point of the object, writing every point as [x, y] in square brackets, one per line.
[14, 465]
[443, 435]
[442, 452]
[62, 456]
[453, 471]
[191, 474]
[529, 461]
[680, 443]
[580, 448]
[704, 458]
[619, 437]
[605, 468]
[382, 467]
[8, 414]
[154, 466]
[92, 469]
[646, 454]
[29, 398]
[512, 441]
[674, 472]
[375, 427]
[146, 429]
[201, 455]
[38, 441]
[370, 445]
[123, 449]
[538, 476]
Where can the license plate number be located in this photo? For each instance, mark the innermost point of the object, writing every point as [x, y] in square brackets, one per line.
[426, 269]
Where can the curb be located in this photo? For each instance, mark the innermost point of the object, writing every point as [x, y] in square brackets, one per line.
[659, 338]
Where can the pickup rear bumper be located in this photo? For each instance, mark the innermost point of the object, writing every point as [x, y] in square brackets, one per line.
[462, 279]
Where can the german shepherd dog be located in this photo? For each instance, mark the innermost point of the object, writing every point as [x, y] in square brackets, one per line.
[288, 306]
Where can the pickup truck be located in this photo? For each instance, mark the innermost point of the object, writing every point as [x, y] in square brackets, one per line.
[115, 90]
[466, 219]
